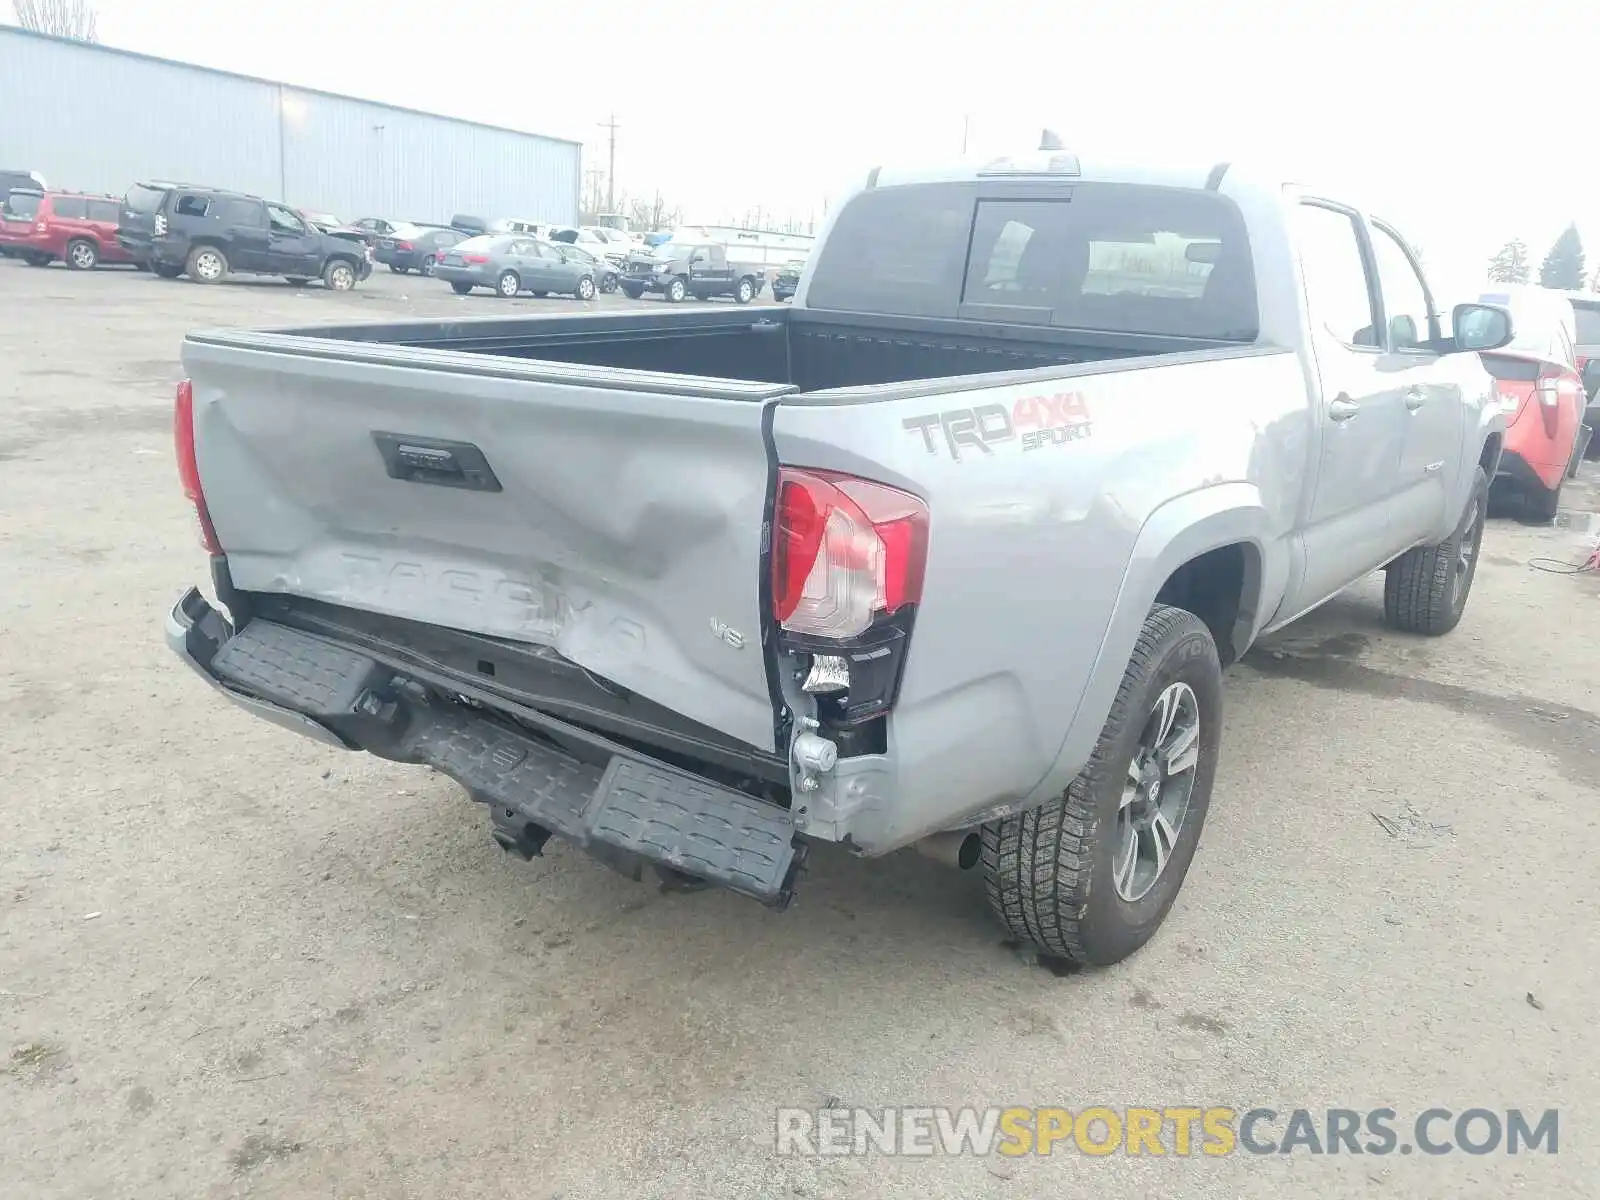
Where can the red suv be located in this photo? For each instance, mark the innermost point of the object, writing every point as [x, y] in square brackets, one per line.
[40, 227]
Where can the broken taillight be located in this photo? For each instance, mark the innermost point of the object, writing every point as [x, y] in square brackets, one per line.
[189, 466]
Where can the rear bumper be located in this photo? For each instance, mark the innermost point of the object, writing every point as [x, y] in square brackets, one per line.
[624, 807]
[476, 276]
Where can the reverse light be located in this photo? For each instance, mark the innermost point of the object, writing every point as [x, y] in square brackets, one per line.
[189, 466]
[845, 552]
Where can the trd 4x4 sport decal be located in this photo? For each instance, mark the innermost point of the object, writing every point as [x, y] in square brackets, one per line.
[1034, 420]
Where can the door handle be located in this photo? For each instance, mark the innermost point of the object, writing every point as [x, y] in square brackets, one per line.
[1415, 398]
[1343, 408]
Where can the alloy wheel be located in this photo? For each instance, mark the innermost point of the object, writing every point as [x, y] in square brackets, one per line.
[1155, 793]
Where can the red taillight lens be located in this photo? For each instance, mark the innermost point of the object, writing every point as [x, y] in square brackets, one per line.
[477, 259]
[404, 246]
[844, 551]
[188, 466]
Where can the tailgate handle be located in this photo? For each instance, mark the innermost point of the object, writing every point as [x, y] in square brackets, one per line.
[431, 460]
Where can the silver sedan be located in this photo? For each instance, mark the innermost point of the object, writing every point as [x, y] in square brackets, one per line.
[511, 264]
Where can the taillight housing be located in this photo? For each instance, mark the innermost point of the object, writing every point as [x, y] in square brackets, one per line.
[1555, 386]
[847, 559]
[475, 259]
[160, 225]
[189, 466]
[404, 246]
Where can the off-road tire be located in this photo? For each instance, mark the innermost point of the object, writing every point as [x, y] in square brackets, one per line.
[1422, 592]
[1048, 871]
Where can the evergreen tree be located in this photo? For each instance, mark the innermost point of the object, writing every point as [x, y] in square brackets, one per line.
[1563, 266]
[1510, 265]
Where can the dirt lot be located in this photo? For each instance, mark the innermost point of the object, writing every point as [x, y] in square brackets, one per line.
[233, 962]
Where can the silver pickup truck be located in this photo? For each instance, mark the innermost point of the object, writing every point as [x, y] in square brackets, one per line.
[949, 553]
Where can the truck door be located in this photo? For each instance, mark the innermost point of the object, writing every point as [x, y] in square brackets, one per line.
[1359, 416]
[1435, 390]
[293, 247]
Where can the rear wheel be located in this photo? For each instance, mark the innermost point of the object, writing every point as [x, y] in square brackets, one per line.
[461, 289]
[585, 288]
[339, 275]
[509, 284]
[1092, 874]
[677, 290]
[632, 291]
[608, 284]
[428, 264]
[36, 260]
[398, 269]
[746, 292]
[1425, 589]
[82, 255]
[163, 271]
[207, 264]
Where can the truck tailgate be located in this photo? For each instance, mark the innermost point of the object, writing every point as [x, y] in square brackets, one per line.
[616, 518]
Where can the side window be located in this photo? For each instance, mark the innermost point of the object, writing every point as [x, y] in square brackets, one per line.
[521, 249]
[284, 221]
[69, 208]
[241, 212]
[1335, 275]
[106, 212]
[1405, 302]
[192, 206]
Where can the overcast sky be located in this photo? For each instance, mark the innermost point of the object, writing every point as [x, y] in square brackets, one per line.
[1465, 124]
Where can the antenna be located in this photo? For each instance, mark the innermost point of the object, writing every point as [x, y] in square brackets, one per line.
[1051, 140]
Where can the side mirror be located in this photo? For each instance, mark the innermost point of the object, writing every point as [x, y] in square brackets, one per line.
[1480, 326]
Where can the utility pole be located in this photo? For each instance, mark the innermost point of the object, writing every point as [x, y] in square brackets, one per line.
[611, 174]
[966, 128]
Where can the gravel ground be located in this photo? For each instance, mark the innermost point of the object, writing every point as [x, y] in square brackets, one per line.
[234, 962]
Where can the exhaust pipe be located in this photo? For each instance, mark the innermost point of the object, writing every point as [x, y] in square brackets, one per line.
[959, 848]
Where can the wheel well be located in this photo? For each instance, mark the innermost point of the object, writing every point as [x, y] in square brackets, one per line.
[1214, 587]
[84, 237]
[1489, 460]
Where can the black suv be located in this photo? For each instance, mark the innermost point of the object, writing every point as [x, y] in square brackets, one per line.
[207, 233]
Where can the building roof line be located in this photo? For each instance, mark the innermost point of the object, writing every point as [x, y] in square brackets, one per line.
[277, 83]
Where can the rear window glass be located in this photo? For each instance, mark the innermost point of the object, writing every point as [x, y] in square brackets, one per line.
[103, 210]
[69, 208]
[22, 204]
[1117, 258]
[1587, 315]
[144, 199]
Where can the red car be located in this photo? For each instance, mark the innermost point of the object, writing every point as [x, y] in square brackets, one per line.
[1537, 379]
[80, 230]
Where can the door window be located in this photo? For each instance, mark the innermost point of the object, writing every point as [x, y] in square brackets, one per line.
[1405, 300]
[192, 206]
[285, 222]
[69, 208]
[1337, 288]
[249, 213]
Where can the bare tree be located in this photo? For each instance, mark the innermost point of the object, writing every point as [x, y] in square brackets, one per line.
[63, 18]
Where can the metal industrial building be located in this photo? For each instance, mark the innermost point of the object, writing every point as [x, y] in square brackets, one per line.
[98, 119]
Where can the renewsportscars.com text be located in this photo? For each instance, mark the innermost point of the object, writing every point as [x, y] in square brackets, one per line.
[1180, 1131]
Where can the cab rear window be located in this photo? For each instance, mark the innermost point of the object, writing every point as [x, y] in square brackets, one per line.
[1115, 258]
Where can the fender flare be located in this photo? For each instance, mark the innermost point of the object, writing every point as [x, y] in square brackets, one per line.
[1177, 532]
